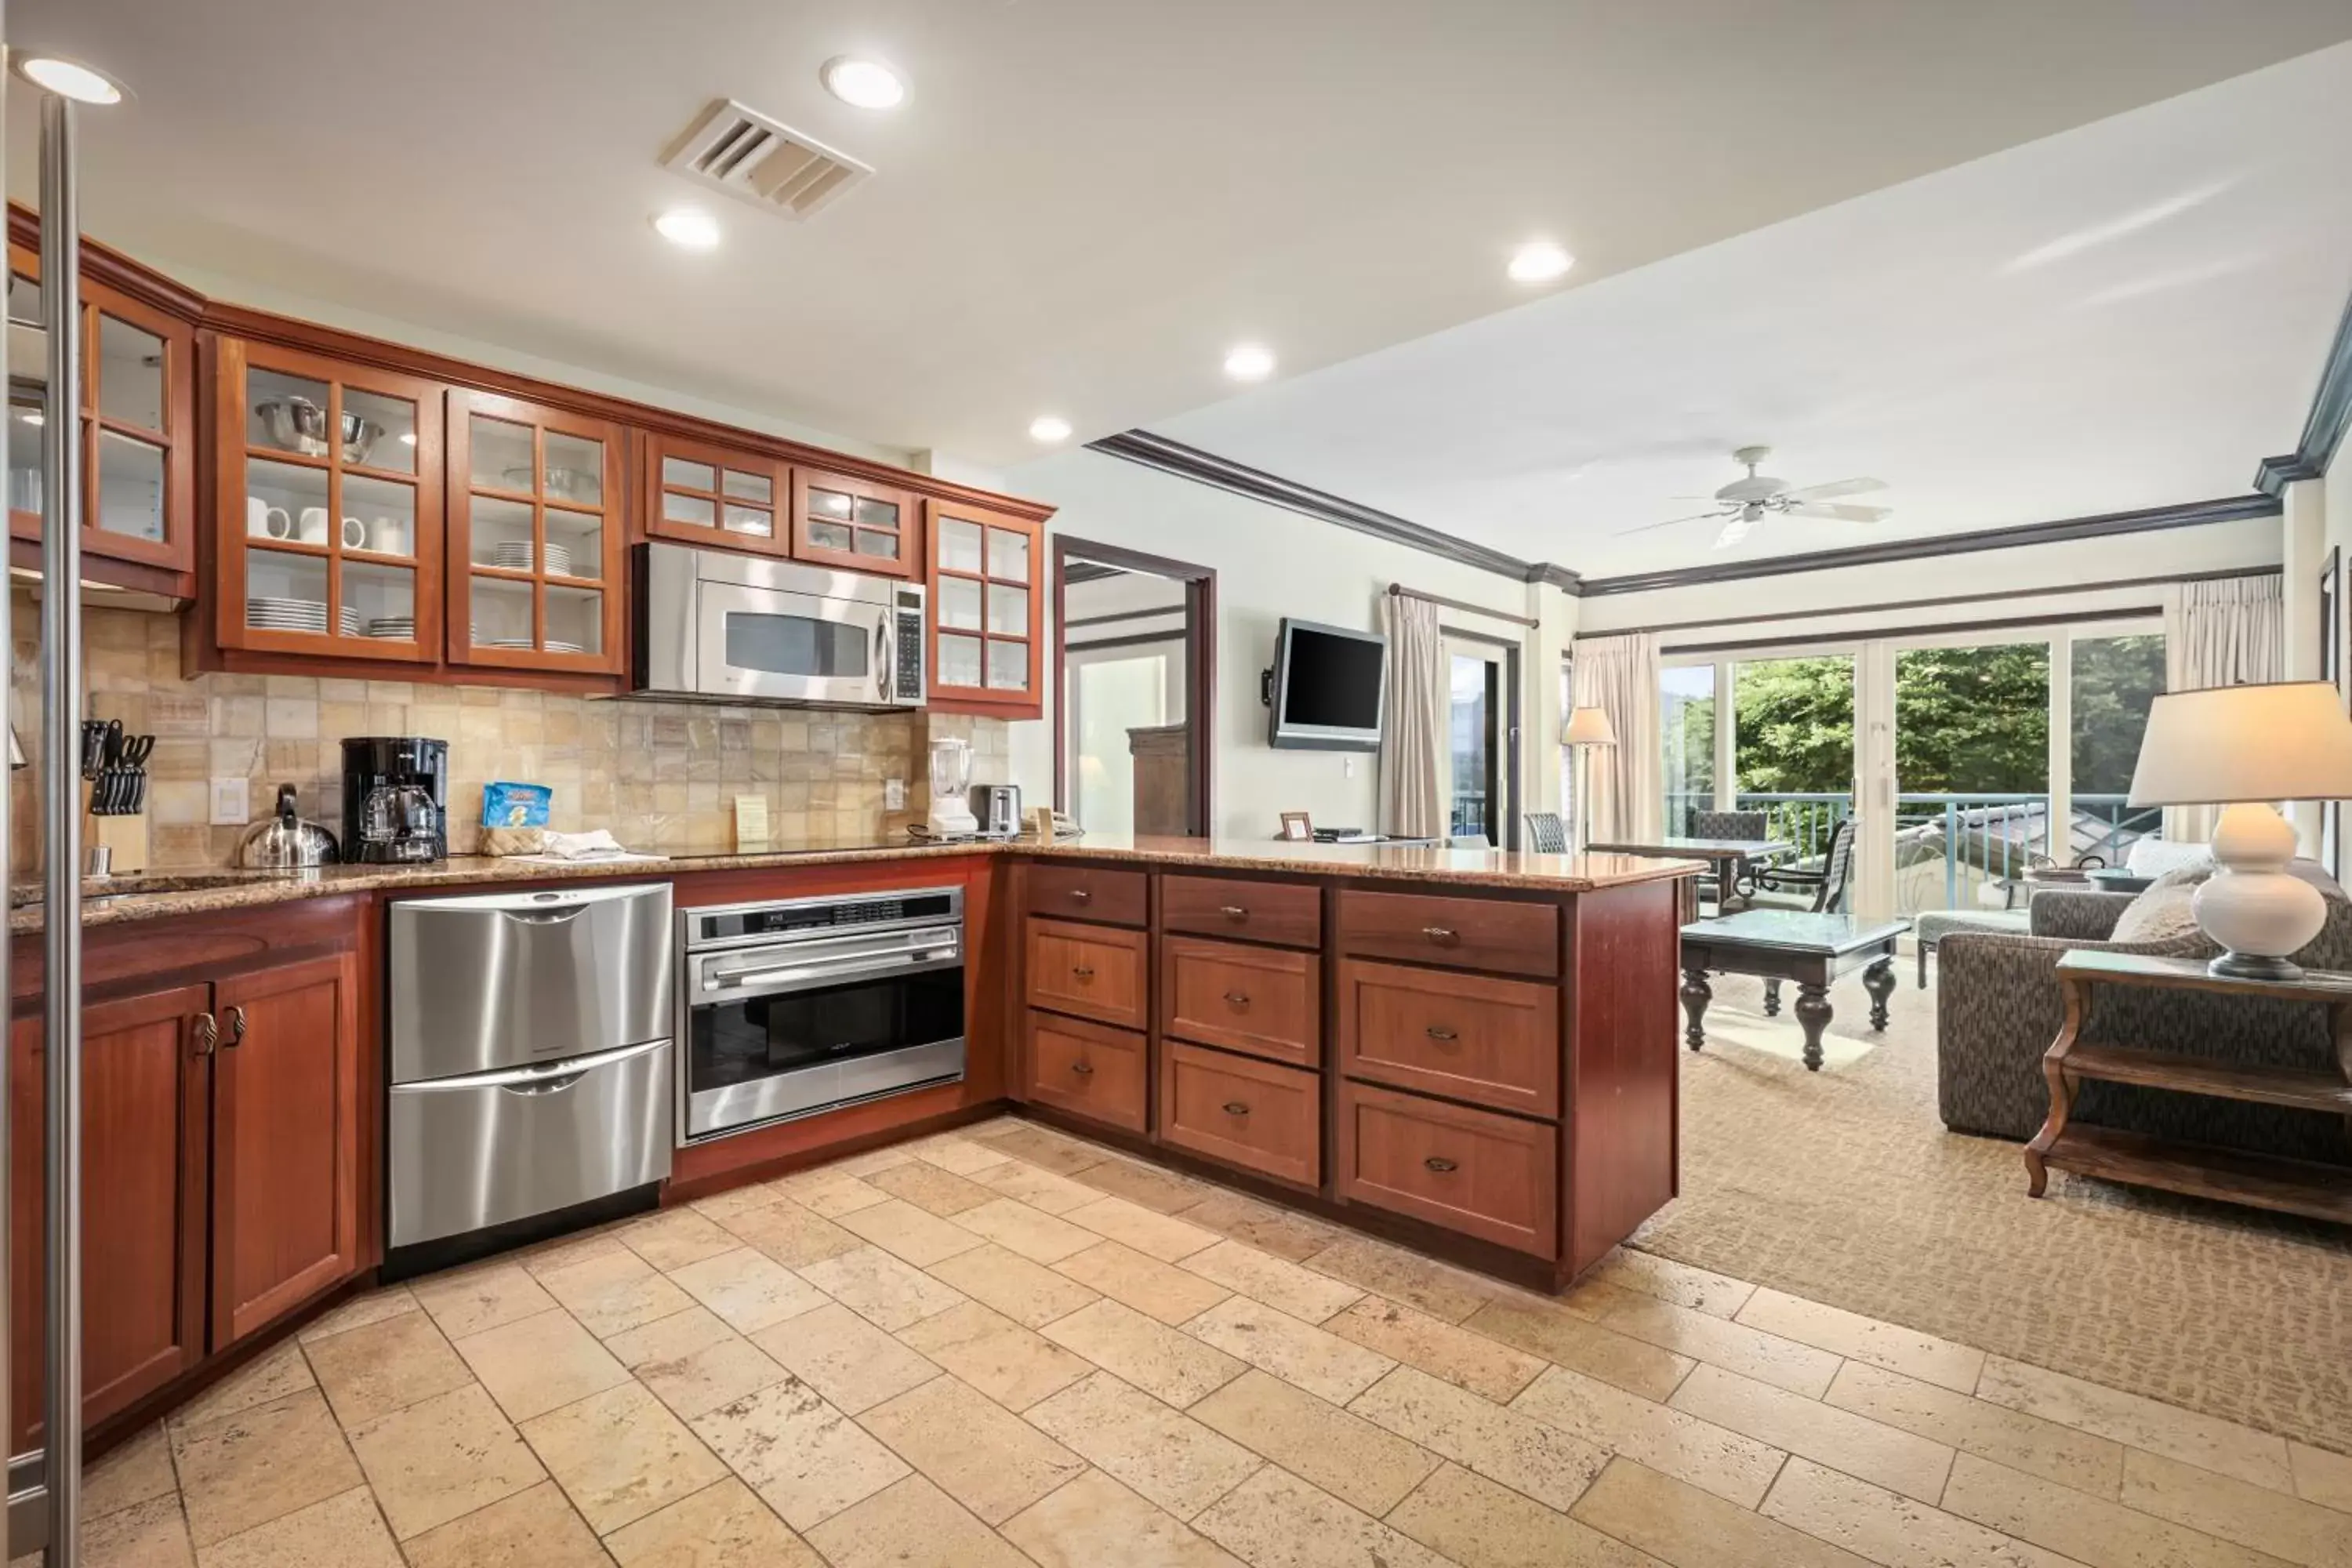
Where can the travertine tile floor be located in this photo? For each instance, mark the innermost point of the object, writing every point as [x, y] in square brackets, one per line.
[1007, 1347]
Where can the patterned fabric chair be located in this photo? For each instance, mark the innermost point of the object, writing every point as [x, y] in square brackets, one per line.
[1547, 833]
[1730, 825]
[1999, 1007]
[1825, 891]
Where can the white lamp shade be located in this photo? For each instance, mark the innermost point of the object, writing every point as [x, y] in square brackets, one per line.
[2286, 740]
[1589, 726]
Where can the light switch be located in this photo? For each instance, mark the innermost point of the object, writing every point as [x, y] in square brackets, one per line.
[229, 802]
[894, 794]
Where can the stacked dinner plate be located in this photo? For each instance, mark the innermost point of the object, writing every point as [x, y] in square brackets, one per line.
[552, 645]
[516, 556]
[264, 612]
[396, 628]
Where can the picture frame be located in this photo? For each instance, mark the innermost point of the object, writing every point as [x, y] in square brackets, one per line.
[1296, 826]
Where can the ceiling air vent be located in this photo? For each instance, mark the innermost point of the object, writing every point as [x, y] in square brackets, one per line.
[745, 153]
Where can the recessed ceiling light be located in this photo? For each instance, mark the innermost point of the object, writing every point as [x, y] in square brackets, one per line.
[408, 437]
[1049, 428]
[1249, 362]
[689, 229]
[69, 78]
[1539, 262]
[862, 84]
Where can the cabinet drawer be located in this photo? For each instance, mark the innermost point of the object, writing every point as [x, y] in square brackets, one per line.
[1251, 999]
[1240, 1110]
[1471, 1170]
[1095, 972]
[1086, 1071]
[1287, 913]
[1463, 933]
[1087, 893]
[1469, 1037]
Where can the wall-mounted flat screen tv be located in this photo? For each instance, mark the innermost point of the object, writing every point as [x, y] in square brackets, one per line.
[1327, 686]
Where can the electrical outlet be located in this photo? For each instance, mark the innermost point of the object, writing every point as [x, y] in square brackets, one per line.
[1349, 765]
[894, 794]
[229, 802]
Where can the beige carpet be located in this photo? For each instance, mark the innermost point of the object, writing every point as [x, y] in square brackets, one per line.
[1843, 1186]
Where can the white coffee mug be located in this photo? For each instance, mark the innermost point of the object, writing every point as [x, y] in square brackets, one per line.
[391, 536]
[314, 525]
[256, 516]
[278, 523]
[354, 533]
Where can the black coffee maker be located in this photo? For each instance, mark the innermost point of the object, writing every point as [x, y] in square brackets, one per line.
[395, 799]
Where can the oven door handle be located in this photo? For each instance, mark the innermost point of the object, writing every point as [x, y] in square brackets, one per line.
[776, 977]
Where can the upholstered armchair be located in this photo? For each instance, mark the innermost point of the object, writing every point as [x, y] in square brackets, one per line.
[1999, 1007]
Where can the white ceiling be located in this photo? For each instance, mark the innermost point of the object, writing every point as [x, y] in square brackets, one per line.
[1083, 201]
[2128, 314]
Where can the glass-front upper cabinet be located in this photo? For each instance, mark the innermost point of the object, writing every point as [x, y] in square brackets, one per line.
[137, 424]
[855, 524]
[329, 507]
[535, 536]
[987, 624]
[723, 498]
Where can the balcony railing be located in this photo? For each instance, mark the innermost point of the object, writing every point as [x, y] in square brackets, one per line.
[1970, 848]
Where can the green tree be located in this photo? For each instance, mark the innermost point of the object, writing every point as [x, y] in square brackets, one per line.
[1795, 719]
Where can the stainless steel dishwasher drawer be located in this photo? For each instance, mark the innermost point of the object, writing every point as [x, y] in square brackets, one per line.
[491, 1147]
[508, 979]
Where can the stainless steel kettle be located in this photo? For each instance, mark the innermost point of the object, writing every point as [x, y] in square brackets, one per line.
[286, 842]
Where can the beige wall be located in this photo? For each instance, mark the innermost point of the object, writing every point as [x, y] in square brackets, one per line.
[660, 775]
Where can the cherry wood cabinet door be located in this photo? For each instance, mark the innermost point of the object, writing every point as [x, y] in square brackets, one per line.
[286, 1134]
[719, 497]
[144, 1145]
[987, 611]
[855, 524]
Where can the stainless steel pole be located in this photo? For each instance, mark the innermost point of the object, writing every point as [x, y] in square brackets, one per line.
[61, 820]
[8, 860]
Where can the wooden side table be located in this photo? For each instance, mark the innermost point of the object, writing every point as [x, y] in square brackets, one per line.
[2265, 1181]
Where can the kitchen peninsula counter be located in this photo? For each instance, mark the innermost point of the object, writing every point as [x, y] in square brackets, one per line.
[161, 895]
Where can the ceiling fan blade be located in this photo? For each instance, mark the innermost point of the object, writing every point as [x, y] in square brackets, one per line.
[1669, 522]
[1842, 514]
[1834, 488]
[1734, 531]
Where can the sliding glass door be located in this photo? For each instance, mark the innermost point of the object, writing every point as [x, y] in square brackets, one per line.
[2113, 680]
[1480, 730]
[1973, 802]
[1686, 722]
[1793, 756]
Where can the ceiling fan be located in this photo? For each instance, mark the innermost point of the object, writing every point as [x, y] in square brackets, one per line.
[1743, 503]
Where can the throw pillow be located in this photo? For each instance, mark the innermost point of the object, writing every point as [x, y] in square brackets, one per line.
[2155, 857]
[2165, 911]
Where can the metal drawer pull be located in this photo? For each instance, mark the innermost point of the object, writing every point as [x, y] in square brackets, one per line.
[1083, 1069]
[1082, 972]
[1237, 998]
[1443, 936]
[207, 1034]
[1440, 1163]
[1236, 1107]
[1440, 1032]
[235, 1028]
[1233, 912]
[1080, 896]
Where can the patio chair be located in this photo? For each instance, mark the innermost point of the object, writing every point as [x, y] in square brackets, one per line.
[1547, 833]
[1731, 825]
[1823, 890]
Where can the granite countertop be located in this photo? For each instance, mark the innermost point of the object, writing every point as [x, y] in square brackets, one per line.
[162, 894]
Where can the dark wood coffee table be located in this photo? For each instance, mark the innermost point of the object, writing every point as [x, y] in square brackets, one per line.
[1790, 944]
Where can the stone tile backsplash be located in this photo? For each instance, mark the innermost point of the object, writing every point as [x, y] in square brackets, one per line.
[661, 776]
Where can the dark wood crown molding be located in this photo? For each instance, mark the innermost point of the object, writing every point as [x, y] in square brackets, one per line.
[2323, 427]
[1208, 468]
[104, 264]
[2150, 519]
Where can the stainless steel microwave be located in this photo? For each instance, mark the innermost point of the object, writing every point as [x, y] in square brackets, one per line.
[720, 627]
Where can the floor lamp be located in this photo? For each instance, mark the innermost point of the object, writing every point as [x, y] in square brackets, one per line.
[1587, 728]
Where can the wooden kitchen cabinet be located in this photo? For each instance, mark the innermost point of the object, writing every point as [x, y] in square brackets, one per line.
[144, 1152]
[720, 497]
[285, 1140]
[536, 537]
[856, 525]
[137, 425]
[987, 611]
[327, 546]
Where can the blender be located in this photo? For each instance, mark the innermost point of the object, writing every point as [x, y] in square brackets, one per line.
[950, 814]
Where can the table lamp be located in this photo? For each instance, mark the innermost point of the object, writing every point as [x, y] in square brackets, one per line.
[2243, 748]
[1587, 728]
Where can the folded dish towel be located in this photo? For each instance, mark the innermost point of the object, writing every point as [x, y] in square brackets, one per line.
[597, 844]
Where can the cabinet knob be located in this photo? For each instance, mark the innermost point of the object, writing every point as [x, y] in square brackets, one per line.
[1443, 936]
[207, 1034]
[236, 1026]
[1236, 1107]
[1441, 1033]
[1083, 1069]
[1082, 972]
[1440, 1163]
[1080, 896]
[1234, 912]
[1237, 999]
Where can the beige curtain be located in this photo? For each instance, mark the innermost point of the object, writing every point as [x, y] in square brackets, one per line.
[1413, 722]
[2229, 631]
[1625, 784]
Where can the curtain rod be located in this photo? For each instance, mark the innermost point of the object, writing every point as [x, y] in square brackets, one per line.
[1772, 616]
[1399, 591]
[1839, 639]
